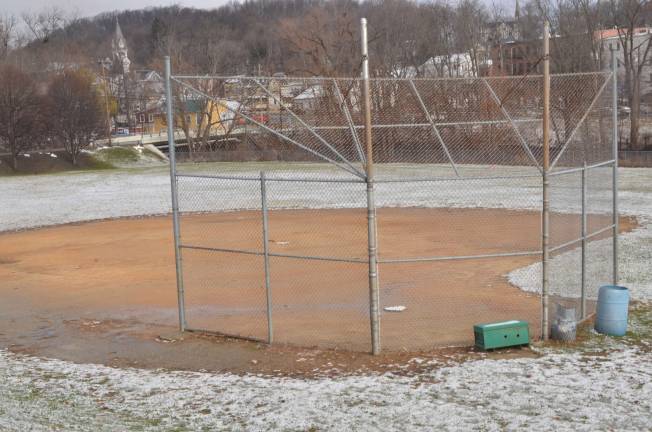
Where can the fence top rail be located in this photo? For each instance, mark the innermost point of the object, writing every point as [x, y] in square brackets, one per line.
[321, 78]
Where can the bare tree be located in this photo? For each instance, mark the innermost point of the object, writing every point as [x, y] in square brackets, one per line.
[324, 41]
[7, 34]
[396, 46]
[44, 23]
[471, 21]
[20, 107]
[627, 16]
[591, 14]
[75, 110]
[575, 24]
[439, 37]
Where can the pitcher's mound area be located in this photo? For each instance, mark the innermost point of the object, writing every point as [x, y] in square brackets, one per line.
[123, 270]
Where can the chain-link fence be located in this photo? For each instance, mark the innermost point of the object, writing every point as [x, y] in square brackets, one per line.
[274, 234]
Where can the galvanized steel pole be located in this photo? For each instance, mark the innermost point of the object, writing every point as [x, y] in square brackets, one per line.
[175, 203]
[546, 166]
[374, 299]
[614, 72]
[268, 288]
[584, 232]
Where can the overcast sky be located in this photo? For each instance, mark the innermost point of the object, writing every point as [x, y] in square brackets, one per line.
[93, 7]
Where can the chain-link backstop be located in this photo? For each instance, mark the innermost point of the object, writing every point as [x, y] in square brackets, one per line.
[273, 236]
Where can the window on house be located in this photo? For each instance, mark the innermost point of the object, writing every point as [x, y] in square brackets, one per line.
[150, 118]
[141, 118]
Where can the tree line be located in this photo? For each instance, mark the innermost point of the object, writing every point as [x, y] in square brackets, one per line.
[64, 112]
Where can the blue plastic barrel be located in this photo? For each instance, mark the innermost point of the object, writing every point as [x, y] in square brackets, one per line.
[611, 317]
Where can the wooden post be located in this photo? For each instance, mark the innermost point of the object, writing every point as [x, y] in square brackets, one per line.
[374, 298]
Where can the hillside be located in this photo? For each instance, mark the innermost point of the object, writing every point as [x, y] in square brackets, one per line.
[247, 33]
[300, 37]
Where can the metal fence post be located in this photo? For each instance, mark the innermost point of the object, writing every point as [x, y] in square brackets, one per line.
[584, 229]
[175, 202]
[268, 288]
[374, 300]
[546, 166]
[614, 73]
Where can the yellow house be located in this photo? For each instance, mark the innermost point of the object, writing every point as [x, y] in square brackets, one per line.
[197, 113]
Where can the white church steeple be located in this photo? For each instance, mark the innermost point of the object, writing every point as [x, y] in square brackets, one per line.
[119, 48]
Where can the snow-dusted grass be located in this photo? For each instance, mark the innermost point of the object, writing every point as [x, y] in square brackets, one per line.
[32, 201]
[557, 392]
[634, 267]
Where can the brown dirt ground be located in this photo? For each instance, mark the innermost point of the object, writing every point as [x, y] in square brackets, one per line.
[105, 291]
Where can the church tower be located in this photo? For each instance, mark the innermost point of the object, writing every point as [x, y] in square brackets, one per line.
[119, 48]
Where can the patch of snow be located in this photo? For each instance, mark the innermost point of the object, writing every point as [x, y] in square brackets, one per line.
[52, 155]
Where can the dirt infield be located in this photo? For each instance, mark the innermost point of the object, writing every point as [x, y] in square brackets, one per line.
[93, 274]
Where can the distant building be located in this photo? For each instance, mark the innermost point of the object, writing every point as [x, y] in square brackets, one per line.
[516, 57]
[153, 119]
[309, 98]
[281, 92]
[509, 54]
[456, 66]
[506, 30]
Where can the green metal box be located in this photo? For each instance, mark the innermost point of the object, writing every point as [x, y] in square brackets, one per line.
[501, 334]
